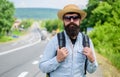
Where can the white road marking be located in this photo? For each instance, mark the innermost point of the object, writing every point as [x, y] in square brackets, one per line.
[6, 52]
[35, 62]
[23, 74]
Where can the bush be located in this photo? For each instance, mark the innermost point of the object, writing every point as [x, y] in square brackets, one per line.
[51, 25]
[26, 23]
[107, 42]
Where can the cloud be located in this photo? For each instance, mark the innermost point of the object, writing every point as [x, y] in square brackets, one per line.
[23, 4]
[48, 3]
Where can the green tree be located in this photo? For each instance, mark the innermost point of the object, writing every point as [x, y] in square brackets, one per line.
[107, 12]
[106, 32]
[6, 16]
[89, 20]
[51, 25]
[102, 13]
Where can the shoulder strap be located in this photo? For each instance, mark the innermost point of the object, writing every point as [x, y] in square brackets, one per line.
[61, 43]
[61, 39]
[48, 75]
[85, 43]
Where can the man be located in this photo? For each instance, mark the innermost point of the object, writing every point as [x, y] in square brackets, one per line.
[69, 60]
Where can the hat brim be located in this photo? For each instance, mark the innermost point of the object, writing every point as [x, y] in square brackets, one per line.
[62, 12]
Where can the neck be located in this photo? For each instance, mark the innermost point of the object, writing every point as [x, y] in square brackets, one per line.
[73, 40]
[74, 37]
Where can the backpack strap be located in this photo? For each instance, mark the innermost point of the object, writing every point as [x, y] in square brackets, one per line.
[85, 43]
[61, 43]
[48, 75]
[61, 39]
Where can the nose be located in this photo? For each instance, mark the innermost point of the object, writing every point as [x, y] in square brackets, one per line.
[71, 20]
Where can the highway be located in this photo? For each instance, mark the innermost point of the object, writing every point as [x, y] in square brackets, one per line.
[21, 58]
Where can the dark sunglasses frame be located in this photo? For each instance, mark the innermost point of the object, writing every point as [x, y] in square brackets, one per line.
[68, 18]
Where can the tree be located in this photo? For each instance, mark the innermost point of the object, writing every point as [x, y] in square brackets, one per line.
[6, 16]
[106, 33]
[89, 21]
[107, 12]
[101, 11]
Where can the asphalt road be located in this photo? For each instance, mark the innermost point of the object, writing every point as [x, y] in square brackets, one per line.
[23, 61]
[21, 58]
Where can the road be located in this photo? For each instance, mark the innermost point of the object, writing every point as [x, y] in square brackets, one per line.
[22, 61]
[21, 58]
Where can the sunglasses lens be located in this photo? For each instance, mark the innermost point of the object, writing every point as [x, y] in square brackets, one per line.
[75, 17]
[68, 18]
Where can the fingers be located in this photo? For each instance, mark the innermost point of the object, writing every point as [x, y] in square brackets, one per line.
[88, 52]
[85, 51]
[64, 50]
[86, 48]
[62, 54]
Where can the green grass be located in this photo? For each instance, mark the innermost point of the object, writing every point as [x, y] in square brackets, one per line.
[17, 32]
[5, 38]
[15, 35]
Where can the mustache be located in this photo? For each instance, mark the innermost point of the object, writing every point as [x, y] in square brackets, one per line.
[73, 24]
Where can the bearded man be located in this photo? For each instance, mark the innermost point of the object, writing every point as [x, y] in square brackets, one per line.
[69, 60]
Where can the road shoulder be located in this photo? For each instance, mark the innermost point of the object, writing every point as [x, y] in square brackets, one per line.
[107, 68]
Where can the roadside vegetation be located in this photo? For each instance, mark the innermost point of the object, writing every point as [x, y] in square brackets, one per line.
[26, 23]
[6, 17]
[52, 25]
[106, 33]
[9, 31]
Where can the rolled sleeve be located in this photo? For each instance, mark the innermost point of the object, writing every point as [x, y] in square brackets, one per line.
[92, 66]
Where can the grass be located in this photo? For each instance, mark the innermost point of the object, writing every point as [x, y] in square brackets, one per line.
[5, 39]
[15, 34]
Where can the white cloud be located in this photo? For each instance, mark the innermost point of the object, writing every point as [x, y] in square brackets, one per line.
[48, 3]
[23, 4]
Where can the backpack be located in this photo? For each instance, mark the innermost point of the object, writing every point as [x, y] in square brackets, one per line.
[62, 43]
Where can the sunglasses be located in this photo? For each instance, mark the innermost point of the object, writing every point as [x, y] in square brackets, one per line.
[68, 18]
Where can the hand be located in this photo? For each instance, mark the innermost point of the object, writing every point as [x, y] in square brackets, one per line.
[88, 52]
[62, 54]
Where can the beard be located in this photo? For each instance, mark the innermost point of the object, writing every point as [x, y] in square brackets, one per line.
[72, 29]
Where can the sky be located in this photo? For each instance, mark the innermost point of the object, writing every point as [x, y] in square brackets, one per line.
[58, 4]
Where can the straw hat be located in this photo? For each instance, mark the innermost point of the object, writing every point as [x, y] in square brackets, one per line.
[71, 8]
